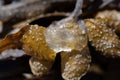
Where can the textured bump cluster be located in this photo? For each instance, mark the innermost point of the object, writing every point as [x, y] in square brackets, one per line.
[34, 43]
[112, 19]
[75, 64]
[37, 67]
[102, 37]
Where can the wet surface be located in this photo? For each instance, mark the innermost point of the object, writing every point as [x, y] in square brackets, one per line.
[13, 69]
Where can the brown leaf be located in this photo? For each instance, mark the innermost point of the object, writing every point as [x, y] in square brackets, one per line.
[13, 40]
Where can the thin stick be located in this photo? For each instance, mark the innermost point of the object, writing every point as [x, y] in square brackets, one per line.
[78, 9]
[76, 12]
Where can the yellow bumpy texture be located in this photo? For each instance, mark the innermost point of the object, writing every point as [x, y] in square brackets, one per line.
[103, 38]
[40, 67]
[34, 43]
[112, 18]
[75, 64]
